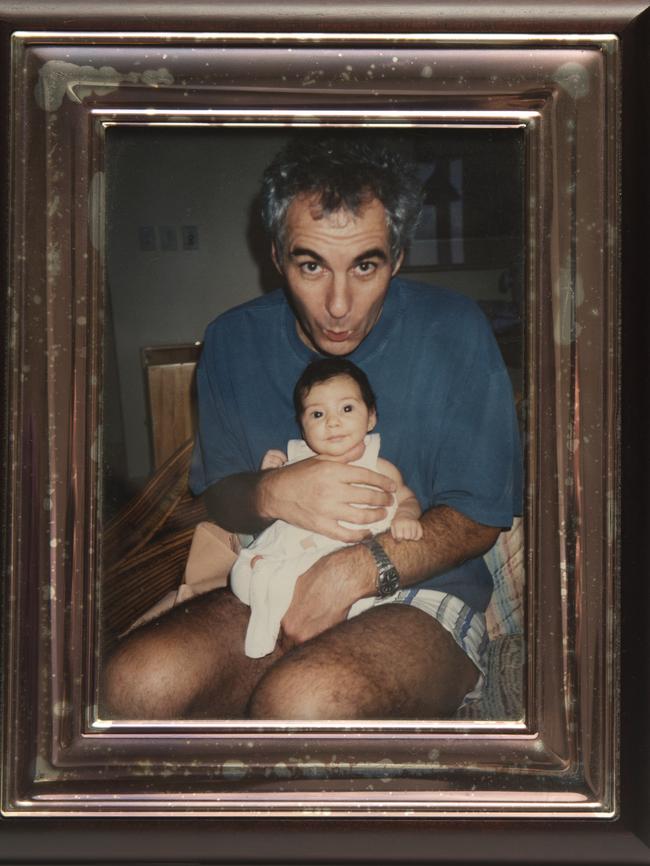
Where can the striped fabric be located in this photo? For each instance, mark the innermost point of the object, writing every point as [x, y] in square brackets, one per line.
[505, 613]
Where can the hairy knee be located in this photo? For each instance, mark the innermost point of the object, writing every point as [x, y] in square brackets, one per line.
[291, 690]
[141, 680]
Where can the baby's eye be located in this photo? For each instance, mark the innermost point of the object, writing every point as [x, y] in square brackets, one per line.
[316, 414]
[348, 408]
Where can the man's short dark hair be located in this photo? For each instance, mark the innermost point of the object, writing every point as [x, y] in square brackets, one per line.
[342, 173]
[324, 369]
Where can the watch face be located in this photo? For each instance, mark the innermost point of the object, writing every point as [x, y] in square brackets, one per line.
[387, 576]
[388, 582]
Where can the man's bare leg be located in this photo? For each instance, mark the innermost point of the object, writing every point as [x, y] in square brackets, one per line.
[189, 663]
[391, 662]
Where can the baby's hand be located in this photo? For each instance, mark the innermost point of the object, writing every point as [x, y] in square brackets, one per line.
[273, 459]
[406, 529]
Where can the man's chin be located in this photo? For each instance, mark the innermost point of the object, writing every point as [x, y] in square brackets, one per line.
[336, 352]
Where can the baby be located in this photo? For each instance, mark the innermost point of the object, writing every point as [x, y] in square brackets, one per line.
[336, 409]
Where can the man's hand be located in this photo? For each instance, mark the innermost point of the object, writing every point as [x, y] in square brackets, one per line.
[317, 493]
[325, 593]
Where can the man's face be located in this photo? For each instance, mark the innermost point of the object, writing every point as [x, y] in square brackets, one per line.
[337, 269]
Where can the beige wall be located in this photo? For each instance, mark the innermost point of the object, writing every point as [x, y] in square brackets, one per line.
[167, 178]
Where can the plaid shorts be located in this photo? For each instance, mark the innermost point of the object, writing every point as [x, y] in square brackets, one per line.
[465, 625]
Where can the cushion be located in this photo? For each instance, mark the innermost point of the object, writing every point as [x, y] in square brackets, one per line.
[505, 613]
[502, 698]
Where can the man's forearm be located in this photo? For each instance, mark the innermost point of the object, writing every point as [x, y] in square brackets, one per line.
[449, 539]
[325, 593]
[233, 503]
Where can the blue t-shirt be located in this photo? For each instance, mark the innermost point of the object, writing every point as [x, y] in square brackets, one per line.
[445, 410]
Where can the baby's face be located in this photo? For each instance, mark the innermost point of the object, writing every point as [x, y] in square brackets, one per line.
[335, 419]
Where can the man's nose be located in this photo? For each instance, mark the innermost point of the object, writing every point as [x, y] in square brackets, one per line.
[339, 298]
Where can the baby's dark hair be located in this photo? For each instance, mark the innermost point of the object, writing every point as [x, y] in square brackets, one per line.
[324, 369]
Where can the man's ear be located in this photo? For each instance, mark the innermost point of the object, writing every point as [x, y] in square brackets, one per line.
[372, 420]
[398, 263]
[276, 258]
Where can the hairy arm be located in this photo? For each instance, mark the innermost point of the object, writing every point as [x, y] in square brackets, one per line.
[449, 538]
[233, 503]
[325, 593]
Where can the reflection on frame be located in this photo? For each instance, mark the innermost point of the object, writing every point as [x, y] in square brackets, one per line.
[134, 223]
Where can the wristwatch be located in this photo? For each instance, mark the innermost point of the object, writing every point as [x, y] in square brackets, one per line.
[387, 576]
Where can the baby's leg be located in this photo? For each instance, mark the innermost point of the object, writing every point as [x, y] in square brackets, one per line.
[241, 576]
[271, 589]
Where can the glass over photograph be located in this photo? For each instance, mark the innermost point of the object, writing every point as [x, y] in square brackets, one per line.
[314, 414]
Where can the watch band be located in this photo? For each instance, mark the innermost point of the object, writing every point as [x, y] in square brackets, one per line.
[387, 581]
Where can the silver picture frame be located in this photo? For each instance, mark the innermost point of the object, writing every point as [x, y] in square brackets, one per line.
[564, 93]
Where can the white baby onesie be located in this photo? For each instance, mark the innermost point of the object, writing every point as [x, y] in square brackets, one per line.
[265, 573]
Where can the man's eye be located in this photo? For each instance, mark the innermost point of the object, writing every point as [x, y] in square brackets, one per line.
[366, 267]
[310, 267]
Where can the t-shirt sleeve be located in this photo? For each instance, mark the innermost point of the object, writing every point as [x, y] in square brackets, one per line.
[478, 469]
[218, 450]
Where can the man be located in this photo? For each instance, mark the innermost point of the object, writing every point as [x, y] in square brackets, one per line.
[339, 213]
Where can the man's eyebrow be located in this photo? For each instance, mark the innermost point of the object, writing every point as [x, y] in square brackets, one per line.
[305, 251]
[373, 253]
